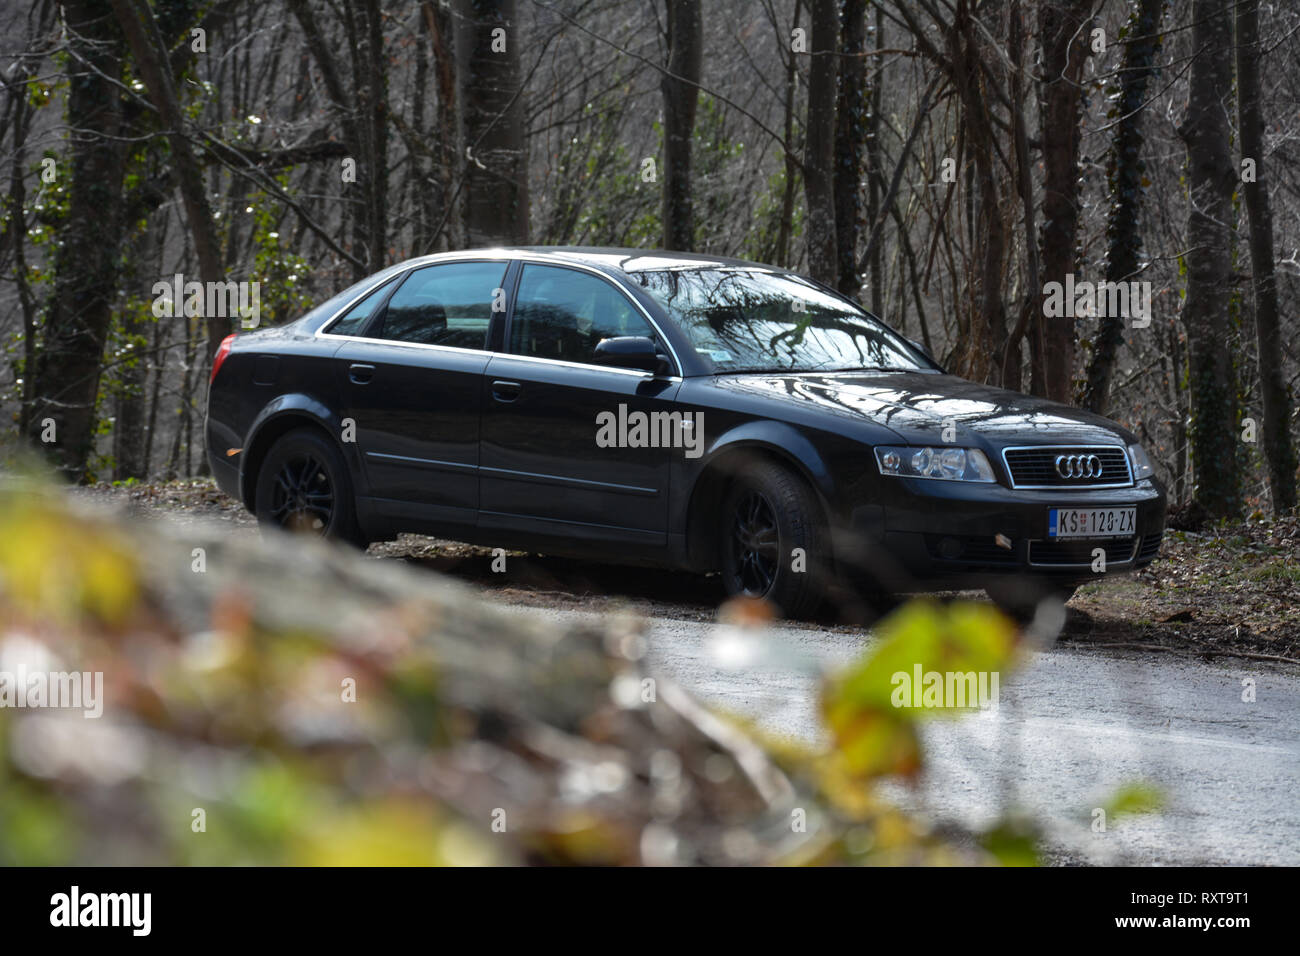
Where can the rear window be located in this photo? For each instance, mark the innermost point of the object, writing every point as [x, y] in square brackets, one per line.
[448, 304]
[354, 320]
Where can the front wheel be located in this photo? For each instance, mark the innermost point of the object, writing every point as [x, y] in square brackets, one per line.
[304, 486]
[774, 541]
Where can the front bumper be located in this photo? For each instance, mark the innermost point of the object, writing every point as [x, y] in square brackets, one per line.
[925, 533]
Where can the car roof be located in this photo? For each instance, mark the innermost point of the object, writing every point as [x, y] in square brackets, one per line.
[632, 260]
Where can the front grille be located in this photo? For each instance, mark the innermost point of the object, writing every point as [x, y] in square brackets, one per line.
[1150, 546]
[1062, 553]
[1036, 467]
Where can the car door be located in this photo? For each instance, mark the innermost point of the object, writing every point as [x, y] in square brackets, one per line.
[412, 384]
[542, 468]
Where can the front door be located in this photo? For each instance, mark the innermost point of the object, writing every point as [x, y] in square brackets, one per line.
[555, 457]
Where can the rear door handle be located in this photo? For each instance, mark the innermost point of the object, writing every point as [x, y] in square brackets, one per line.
[360, 374]
[506, 391]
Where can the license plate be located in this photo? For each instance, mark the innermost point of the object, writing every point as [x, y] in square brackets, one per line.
[1090, 522]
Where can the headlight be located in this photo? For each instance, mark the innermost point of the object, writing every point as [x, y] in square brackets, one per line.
[951, 464]
[1142, 467]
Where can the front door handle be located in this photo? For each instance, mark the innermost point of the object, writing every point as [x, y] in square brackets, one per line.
[360, 374]
[506, 391]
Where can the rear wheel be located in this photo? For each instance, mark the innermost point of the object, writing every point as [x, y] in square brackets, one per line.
[304, 486]
[774, 542]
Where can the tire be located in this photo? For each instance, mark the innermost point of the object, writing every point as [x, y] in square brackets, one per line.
[304, 486]
[768, 512]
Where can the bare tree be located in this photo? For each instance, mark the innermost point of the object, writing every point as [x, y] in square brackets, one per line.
[1278, 449]
[1064, 38]
[1211, 181]
[66, 387]
[150, 56]
[490, 93]
[819, 149]
[680, 87]
[1125, 174]
[851, 126]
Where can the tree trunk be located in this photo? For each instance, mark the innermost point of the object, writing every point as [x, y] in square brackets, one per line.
[876, 174]
[685, 43]
[1211, 177]
[372, 102]
[496, 162]
[1028, 323]
[1276, 432]
[150, 55]
[66, 377]
[1064, 38]
[819, 146]
[782, 257]
[1126, 169]
[988, 332]
[354, 137]
[850, 143]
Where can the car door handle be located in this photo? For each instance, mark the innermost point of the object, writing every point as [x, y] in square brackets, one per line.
[506, 391]
[360, 374]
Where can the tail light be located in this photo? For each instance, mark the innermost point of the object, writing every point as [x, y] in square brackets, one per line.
[222, 351]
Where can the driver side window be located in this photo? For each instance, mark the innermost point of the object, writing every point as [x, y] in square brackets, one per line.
[564, 314]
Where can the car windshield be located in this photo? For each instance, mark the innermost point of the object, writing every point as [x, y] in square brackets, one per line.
[755, 320]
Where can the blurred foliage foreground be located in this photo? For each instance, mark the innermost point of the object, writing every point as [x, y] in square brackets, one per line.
[279, 701]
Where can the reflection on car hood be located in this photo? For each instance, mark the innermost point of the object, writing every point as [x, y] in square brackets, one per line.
[918, 405]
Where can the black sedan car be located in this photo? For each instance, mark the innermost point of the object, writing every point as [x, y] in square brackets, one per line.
[678, 410]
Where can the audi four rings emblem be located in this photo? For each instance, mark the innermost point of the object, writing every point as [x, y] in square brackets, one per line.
[1078, 466]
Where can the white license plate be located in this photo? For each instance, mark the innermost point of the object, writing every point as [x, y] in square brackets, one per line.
[1090, 522]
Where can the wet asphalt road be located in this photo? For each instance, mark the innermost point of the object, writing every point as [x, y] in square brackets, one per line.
[1071, 727]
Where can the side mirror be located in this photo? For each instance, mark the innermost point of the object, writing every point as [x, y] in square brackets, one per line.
[632, 352]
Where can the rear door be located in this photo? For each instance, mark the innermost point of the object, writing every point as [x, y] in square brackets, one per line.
[542, 468]
[412, 384]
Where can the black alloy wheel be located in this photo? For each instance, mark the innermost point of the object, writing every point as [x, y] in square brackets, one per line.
[304, 486]
[774, 542]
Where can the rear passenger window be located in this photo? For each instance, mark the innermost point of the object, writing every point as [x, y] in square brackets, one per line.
[352, 322]
[449, 305]
[564, 314]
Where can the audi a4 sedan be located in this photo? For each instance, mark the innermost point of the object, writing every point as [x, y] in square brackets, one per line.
[676, 410]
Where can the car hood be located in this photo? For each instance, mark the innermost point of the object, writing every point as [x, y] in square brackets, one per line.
[918, 406]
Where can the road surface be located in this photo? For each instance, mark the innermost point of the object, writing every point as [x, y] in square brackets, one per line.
[1071, 727]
